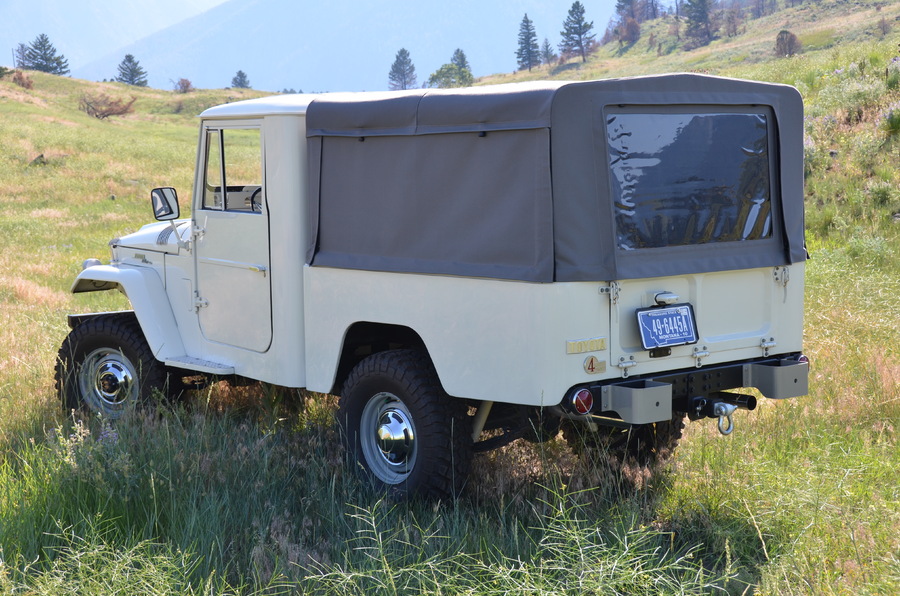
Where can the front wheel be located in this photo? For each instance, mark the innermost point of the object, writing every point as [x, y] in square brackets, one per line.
[402, 428]
[105, 366]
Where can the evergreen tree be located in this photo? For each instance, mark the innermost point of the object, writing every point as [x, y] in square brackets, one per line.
[576, 34]
[626, 9]
[403, 72]
[41, 55]
[698, 14]
[459, 59]
[548, 55]
[240, 80]
[131, 73]
[528, 54]
[21, 57]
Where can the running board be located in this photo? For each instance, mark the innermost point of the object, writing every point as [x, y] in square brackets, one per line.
[199, 365]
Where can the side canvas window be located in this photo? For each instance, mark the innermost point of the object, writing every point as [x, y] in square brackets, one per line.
[233, 179]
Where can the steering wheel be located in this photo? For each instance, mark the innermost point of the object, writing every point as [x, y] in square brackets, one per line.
[255, 202]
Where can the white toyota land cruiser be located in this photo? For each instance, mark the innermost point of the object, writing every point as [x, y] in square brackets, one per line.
[468, 267]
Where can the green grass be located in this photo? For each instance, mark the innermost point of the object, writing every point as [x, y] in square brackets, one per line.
[245, 491]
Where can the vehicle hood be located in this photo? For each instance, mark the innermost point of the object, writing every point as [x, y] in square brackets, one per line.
[156, 237]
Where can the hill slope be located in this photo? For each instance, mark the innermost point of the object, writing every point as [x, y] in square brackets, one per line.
[819, 26]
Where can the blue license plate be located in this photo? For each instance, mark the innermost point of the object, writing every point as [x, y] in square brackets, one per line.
[668, 326]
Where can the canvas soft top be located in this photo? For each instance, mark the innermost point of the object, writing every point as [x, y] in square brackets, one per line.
[513, 181]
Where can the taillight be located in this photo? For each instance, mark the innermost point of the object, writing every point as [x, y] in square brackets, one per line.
[582, 401]
[803, 358]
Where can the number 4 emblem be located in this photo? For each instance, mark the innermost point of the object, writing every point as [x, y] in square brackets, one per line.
[593, 366]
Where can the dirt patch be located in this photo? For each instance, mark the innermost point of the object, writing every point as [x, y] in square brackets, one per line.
[28, 292]
[20, 95]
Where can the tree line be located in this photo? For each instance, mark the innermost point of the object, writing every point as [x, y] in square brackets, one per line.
[695, 23]
[577, 36]
[699, 21]
[42, 56]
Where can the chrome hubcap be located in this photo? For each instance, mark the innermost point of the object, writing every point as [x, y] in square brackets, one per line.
[395, 436]
[388, 438]
[114, 382]
[107, 380]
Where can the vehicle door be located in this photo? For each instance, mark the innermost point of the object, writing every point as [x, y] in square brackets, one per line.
[233, 288]
[697, 190]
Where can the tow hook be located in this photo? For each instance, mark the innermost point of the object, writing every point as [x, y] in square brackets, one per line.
[721, 405]
[724, 412]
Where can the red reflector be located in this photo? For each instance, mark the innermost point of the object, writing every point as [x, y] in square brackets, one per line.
[803, 358]
[582, 401]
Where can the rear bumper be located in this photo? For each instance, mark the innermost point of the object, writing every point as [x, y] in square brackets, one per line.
[653, 398]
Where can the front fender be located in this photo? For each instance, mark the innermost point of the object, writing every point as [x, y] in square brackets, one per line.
[148, 297]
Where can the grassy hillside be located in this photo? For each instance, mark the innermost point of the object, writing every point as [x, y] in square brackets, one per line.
[245, 490]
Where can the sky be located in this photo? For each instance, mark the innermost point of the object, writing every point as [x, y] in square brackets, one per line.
[338, 45]
[84, 30]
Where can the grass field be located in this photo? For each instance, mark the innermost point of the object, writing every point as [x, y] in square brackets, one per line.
[246, 491]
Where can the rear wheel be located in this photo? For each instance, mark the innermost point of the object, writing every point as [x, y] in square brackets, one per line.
[106, 366]
[402, 428]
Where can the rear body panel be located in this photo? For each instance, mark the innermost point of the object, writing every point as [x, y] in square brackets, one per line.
[740, 315]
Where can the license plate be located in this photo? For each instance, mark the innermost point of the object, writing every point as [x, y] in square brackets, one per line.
[669, 326]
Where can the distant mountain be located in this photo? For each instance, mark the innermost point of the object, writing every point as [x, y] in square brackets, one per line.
[339, 45]
[86, 30]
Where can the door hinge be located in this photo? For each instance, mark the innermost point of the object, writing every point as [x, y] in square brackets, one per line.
[613, 290]
[782, 275]
[625, 364]
[699, 355]
[200, 303]
[767, 344]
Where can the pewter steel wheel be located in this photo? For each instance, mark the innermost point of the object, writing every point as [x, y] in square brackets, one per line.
[106, 366]
[407, 434]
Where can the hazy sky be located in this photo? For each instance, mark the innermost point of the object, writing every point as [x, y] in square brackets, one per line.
[315, 45]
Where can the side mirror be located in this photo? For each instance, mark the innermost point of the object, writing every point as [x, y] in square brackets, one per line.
[165, 203]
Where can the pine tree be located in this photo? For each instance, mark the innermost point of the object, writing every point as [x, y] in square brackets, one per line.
[131, 72]
[240, 80]
[21, 57]
[626, 9]
[576, 34]
[698, 14]
[459, 59]
[528, 54]
[403, 72]
[548, 55]
[41, 55]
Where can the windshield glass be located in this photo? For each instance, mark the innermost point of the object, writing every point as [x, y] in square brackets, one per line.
[689, 178]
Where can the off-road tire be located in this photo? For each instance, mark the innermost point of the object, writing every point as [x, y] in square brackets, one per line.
[105, 367]
[645, 444]
[399, 391]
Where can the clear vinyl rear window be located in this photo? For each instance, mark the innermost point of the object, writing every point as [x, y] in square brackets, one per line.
[689, 178]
